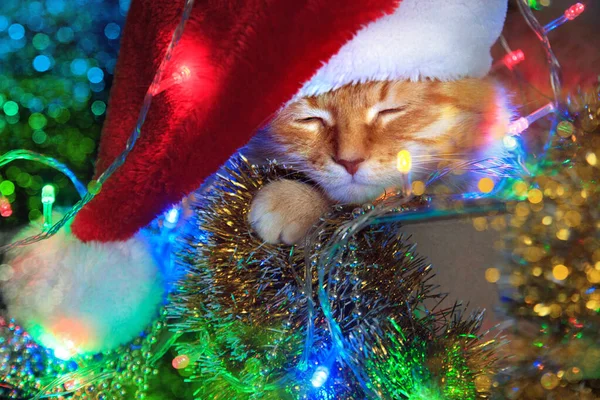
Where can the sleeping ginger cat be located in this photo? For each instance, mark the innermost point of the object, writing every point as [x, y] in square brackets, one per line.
[347, 142]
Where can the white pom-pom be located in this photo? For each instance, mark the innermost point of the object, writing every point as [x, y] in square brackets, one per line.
[79, 297]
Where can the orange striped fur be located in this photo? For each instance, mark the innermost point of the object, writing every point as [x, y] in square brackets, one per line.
[435, 121]
[347, 141]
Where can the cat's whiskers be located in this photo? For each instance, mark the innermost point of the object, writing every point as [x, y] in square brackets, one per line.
[439, 155]
[440, 158]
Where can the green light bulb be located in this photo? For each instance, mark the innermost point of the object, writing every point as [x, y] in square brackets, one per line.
[48, 198]
[48, 194]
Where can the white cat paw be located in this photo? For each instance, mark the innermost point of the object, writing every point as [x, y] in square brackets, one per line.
[284, 211]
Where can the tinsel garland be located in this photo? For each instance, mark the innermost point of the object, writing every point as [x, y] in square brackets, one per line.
[241, 313]
[343, 317]
[265, 321]
[340, 317]
[550, 284]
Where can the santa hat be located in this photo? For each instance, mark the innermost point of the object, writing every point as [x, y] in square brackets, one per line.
[96, 287]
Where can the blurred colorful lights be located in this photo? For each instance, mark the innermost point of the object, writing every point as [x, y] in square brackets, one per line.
[61, 56]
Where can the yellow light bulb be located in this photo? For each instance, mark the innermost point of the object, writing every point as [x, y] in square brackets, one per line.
[404, 161]
[418, 188]
[492, 275]
[560, 272]
[485, 185]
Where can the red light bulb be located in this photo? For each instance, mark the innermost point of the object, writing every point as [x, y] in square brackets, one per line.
[514, 58]
[177, 78]
[574, 11]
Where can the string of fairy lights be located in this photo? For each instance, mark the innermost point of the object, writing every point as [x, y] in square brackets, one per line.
[404, 166]
[520, 125]
[343, 234]
[404, 159]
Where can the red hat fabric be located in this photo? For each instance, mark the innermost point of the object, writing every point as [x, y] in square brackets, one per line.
[96, 288]
[246, 59]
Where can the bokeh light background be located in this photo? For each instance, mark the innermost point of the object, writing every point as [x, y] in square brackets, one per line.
[57, 59]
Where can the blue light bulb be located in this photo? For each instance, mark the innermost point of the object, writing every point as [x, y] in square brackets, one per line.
[320, 376]
[171, 217]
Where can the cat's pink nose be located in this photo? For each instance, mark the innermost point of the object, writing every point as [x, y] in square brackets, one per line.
[350, 165]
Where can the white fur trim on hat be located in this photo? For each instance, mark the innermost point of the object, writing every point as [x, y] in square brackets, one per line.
[422, 39]
[78, 298]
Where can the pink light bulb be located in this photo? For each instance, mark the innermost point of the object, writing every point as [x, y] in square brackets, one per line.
[5, 208]
[181, 362]
[70, 385]
[518, 126]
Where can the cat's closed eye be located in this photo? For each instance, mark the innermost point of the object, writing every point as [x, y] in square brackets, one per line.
[391, 111]
[312, 123]
[310, 120]
[385, 114]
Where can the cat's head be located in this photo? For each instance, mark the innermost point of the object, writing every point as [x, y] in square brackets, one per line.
[348, 140]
